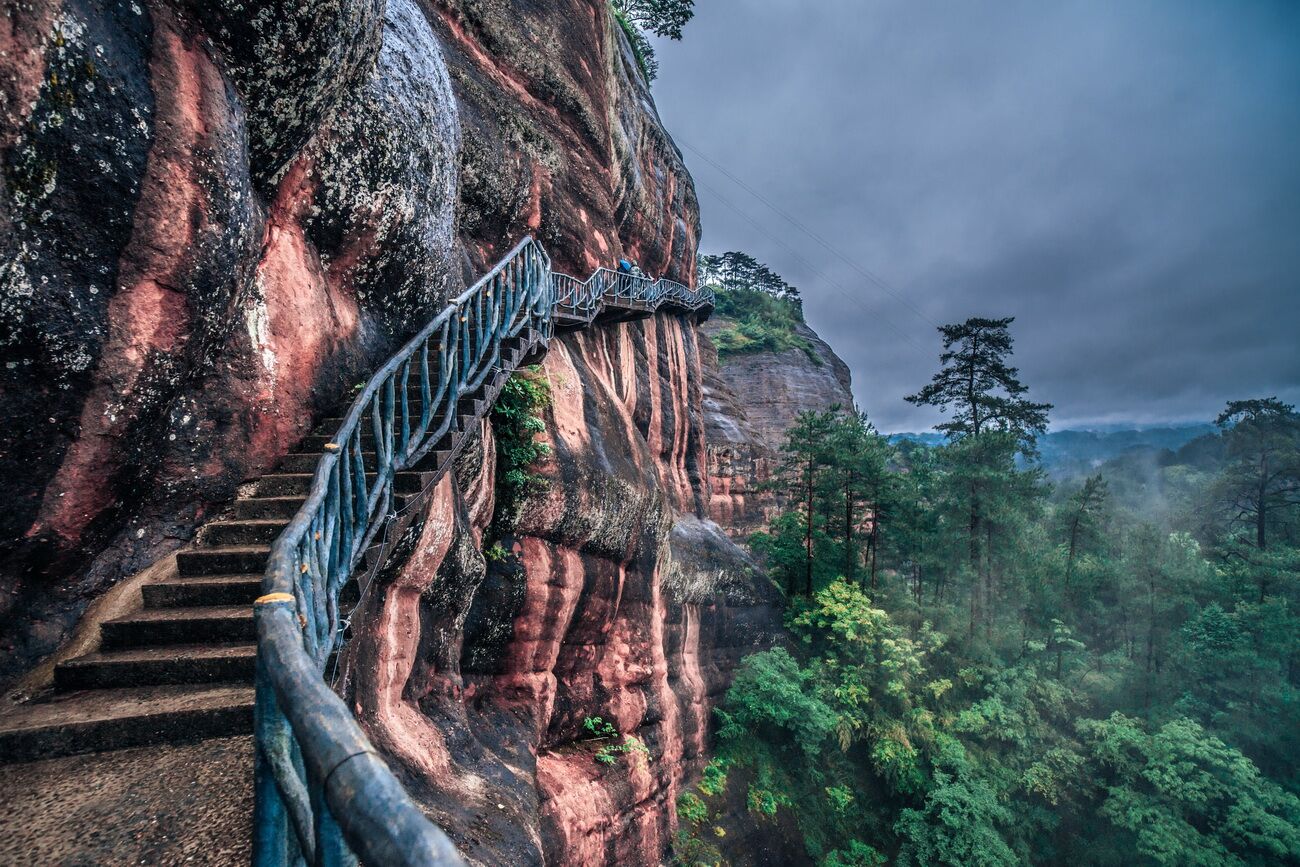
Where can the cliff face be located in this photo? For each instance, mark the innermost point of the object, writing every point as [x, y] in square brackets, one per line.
[621, 600]
[750, 401]
[562, 140]
[217, 217]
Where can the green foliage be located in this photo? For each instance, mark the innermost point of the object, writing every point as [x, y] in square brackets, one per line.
[1187, 797]
[733, 271]
[691, 808]
[598, 729]
[760, 310]
[770, 693]
[660, 17]
[835, 475]
[642, 50]
[981, 388]
[1259, 489]
[713, 780]
[758, 322]
[1003, 674]
[856, 854]
[516, 421]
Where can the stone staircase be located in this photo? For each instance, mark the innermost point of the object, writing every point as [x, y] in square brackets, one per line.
[181, 668]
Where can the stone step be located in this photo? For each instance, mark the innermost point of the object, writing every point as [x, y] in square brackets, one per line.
[314, 443]
[299, 484]
[257, 508]
[305, 462]
[93, 720]
[202, 591]
[199, 624]
[227, 560]
[146, 666]
[257, 531]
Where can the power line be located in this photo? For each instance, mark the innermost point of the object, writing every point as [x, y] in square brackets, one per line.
[878, 281]
[813, 268]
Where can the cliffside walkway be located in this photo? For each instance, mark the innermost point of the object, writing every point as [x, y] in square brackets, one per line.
[238, 636]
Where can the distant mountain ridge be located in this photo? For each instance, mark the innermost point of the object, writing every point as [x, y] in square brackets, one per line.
[1071, 452]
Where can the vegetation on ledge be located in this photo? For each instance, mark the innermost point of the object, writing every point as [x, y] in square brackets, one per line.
[759, 308]
[660, 17]
[516, 421]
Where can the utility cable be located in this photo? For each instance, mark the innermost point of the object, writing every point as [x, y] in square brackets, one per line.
[811, 267]
[865, 272]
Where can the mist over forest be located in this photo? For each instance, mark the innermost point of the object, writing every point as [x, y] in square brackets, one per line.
[1009, 645]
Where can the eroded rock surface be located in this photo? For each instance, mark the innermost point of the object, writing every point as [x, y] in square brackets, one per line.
[621, 599]
[750, 401]
[217, 217]
[562, 139]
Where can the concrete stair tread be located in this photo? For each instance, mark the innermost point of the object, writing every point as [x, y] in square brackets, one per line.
[166, 652]
[256, 507]
[93, 705]
[235, 548]
[198, 612]
[202, 591]
[189, 580]
[256, 522]
[143, 665]
[103, 719]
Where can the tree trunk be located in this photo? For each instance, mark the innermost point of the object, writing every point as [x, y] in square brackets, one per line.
[987, 601]
[1074, 541]
[1261, 510]
[874, 543]
[808, 536]
[1151, 634]
[849, 569]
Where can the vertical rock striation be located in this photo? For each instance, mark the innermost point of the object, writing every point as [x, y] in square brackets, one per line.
[620, 599]
[216, 219]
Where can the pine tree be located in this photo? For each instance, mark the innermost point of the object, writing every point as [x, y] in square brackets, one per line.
[1262, 484]
[1082, 516]
[984, 391]
[991, 414]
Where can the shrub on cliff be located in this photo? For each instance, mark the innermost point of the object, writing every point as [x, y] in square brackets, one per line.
[758, 322]
[760, 310]
[516, 421]
[660, 17]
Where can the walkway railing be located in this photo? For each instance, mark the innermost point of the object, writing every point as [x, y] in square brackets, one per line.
[324, 796]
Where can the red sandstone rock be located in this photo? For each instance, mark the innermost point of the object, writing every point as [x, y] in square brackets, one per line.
[210, 237]
[628, 605]
[211, 234]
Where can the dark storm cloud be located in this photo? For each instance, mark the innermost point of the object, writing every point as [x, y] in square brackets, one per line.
[1124, 178]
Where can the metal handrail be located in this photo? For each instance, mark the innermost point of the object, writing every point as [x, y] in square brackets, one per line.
[323, 795]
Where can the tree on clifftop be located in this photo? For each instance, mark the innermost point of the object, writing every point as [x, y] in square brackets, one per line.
[660, 17]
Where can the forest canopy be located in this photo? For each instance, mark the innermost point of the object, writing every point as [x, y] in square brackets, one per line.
[986, 668]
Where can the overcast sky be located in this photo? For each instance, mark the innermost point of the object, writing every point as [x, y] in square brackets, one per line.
[1122, 177]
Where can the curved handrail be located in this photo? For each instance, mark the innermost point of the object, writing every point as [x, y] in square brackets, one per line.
[322, 791]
